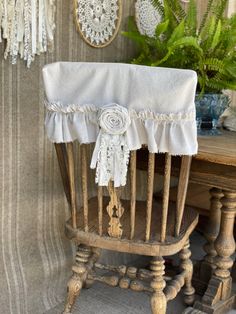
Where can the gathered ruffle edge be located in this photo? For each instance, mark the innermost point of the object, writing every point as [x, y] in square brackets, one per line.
[173, 133]
[143, 114]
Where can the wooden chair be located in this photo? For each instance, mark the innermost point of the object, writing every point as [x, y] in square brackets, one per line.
[122, 107]
[137, 227]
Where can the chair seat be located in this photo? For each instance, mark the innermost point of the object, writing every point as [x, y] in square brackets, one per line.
[153, 247]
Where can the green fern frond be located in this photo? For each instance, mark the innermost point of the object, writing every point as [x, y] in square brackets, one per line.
[219, 9]
[216, 84]
[187, 41]
[230, 68]
[215, 64]
[180, 43]
[206, 14]
[191, 18]
[177, 9]
[142, 59]
[160, 8]
[177, 33]
[170, 15]
[135, 36]
[161, 28]
[216, 37]
[208, 29]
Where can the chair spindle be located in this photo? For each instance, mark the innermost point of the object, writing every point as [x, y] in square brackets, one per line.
[166, 192]
[71, 172]
[133, 161]
[84, 170]
[100, 209]
[150, 183]
[63, 165]
[182, 191]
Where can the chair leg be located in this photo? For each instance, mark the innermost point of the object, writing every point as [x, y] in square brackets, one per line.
[187, 266]
[95, 254]
[76, 282]
[158, 299]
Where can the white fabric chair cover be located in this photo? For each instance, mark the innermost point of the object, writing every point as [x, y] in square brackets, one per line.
[120, 107]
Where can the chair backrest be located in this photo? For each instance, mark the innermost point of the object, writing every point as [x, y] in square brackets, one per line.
[159, 112]
[66, 155]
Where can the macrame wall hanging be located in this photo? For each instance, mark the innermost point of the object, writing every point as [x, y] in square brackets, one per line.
[98, 21]
[147, 17]
[27, 26]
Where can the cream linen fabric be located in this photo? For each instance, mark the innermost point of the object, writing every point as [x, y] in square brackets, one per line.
[120, 107]
[160, 103]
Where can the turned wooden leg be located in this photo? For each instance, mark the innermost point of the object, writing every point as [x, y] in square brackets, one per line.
[78, 278]
[225, 244]
[158, 299]
[187, 266]
[213, 226]
[218, 294]
[204, 269]
[96, 252]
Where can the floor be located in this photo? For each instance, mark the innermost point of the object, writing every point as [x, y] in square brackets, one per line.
[101, 299]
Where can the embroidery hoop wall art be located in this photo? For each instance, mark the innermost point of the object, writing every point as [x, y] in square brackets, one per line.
[147, 17]
[98, 21]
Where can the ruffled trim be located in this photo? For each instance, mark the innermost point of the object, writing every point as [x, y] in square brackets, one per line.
[58, 107]
[143, 114]
[174, 133]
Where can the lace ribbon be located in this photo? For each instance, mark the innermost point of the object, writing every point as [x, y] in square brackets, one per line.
[111, 153]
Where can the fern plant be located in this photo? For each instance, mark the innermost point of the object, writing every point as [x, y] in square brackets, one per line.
[180, 41]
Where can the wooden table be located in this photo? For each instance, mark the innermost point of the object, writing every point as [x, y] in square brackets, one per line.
[215, 166]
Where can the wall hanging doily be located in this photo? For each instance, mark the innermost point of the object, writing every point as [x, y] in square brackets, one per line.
[147, 17]
[27, 26]
[98, 21]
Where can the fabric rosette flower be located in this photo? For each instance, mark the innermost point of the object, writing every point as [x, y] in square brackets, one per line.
[114, 119]
[111, 152]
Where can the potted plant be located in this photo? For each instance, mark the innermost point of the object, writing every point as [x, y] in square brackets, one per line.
[208, 47]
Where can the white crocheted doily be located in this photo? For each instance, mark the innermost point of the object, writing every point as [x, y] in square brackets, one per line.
[98, 20]
[147, 17]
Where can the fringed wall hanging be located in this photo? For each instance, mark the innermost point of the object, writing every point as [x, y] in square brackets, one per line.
[28, 27]
[98, 21]
[147, 17]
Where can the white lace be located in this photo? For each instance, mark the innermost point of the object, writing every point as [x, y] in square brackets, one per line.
[111, 153]
[27, 26]
[147, 17]
[97, 19]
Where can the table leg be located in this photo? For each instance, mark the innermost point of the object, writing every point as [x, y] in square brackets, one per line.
[213, 227]
[217, 298]
[204, 269]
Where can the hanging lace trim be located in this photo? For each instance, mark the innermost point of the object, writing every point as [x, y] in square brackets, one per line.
[111, 158]
[27, 26]
[111, 153]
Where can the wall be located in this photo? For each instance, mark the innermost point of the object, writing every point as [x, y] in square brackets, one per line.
[33, 249]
